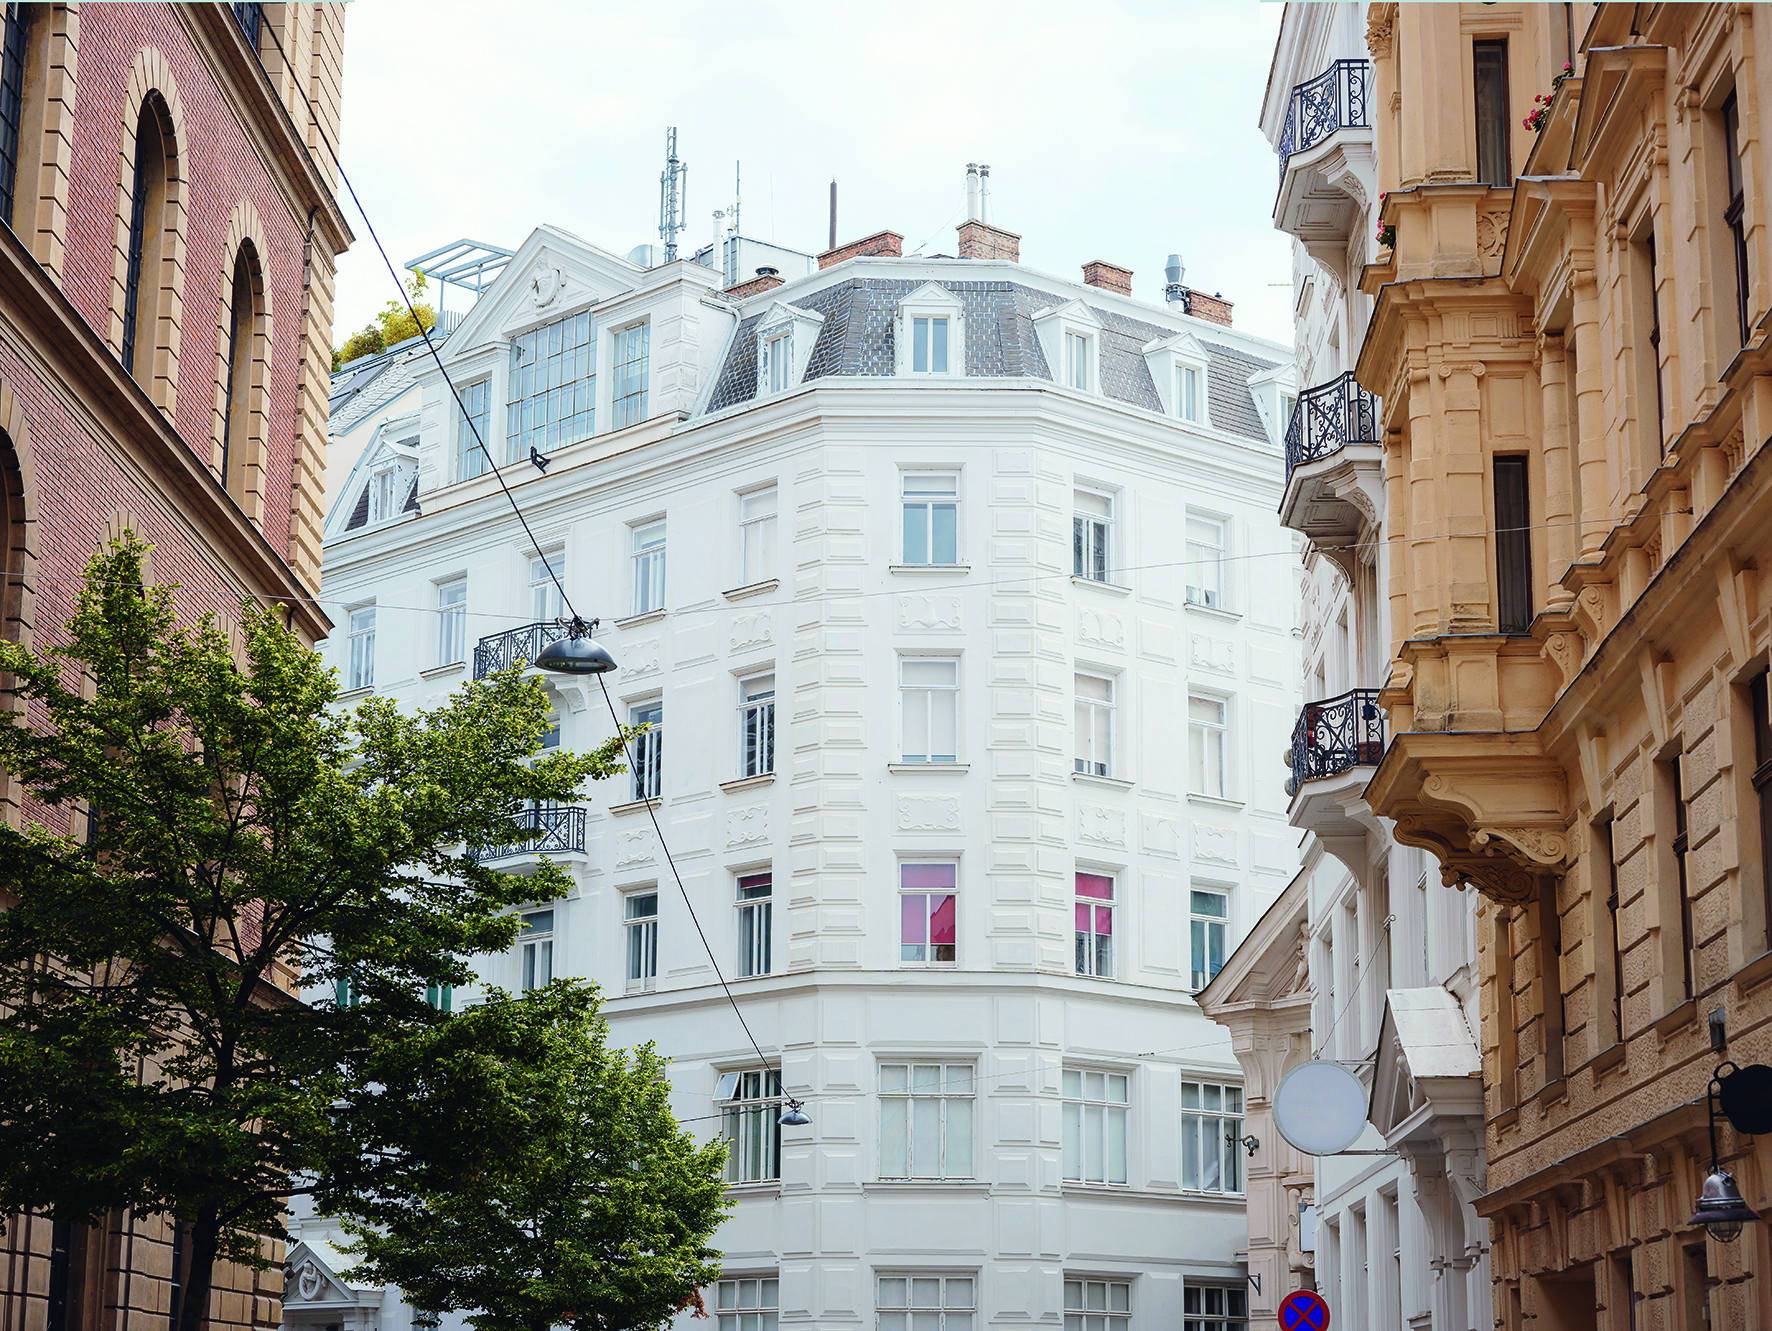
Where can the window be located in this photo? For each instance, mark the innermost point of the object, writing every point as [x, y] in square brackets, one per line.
[176, 1280]
[1211, 1137]
[383, 493]
[1187, 392]
[546, 573]
[1094, 1126]
[640, 913]
[1288, 405]
[1762, 779]
[440, 996]
[1733, 214]
[1681, 845]
[777, 369]
[471, 429]
[345, 992]
[1078, 348]
[629, 404]
[931, 517]
[754, 923]
[243, 351]
[1090, 525]
[1214, 1307]
[756, 716]
[1654, 357]
[553, 388]
[361, 636]
[1205, 743]
[648, 749]
[12, 104]
[452, 621]
[756, 534]
[147, 224]
[535, 941]
[751, 1123]
[929, 703]
[649, 567]
[1205, 562]
[1095, 924]
[926, 1120]
[1097, 1305]
[929, 345]
[926, 913]
[925, 1303]
[1494, 155]
[747, 1305]
[1095, 725]
[1513, 547]
[1208, 915]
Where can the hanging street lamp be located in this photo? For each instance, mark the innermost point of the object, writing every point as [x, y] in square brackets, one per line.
[577, 653]
[1746, 1098]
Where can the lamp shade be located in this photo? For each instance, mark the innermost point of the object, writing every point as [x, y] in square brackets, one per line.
[575, 656]
[1721, 1209]
[795, 1117]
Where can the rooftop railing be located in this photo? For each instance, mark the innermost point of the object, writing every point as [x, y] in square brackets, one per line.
[1328, 418]
[1337, 735]
[559, 829]
[519, 646]
[1335, 99]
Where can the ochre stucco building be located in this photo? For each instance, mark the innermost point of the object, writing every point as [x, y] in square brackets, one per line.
[1570, 340]
[166, 270]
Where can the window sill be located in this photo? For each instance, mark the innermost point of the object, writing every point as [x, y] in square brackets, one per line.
[928, 767]
[442, 671]
[634, 806]
[930, 570]
[1754, 974]
[1112, 587]
[635, 621]
[1105, 782]
[752, 589]
[1213, 612]
[356, 695]
[946, 1185]
[1213, 801]
[637, 987]
[755, 1188]
[748, 783]
[1682, 1015]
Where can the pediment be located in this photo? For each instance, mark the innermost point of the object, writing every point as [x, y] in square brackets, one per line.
[1074, 311]
[1183, 344]
[552, 274]
[780, 312]
[931, 295]
[312, 1276]
[1427, 1058]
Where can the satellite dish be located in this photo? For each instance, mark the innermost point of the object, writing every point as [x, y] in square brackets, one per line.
[1320, 1108]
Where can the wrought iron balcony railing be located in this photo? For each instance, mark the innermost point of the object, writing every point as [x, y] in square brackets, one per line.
[1336, 735]
[517, 647]
[559, 829]
[1328, 418]
[1335, 99]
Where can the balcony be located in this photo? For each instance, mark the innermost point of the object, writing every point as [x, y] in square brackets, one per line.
[1334, 460]
[556, 830]
[1334, 745]
[1327, 168]
[517, 647]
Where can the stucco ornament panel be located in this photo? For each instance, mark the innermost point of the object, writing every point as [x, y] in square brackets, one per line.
[929, 612]
[1215, 845]
[751, 630]
[1100, 628]
[307, 1280]
[1492, 234]
[1101, 825]
[633, 847]
[1539, 845]
[546, 282]
[747, 826]
[640, 658]
[1215, 654]
[1158, 835]
[929, 813]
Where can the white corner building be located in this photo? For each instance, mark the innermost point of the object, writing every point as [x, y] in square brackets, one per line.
[956, 600]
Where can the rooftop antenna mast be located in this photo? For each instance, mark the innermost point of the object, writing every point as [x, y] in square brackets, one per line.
[673, 194]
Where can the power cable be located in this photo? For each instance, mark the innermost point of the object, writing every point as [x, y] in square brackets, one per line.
[1352, 995]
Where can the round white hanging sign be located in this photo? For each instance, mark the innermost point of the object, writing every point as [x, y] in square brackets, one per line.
[1320, 1108]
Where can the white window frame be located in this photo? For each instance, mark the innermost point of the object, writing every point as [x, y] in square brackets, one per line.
[733, 1313]
[929, 501]
[1190, 392]
[928, 961]
[1200, 1319]
[929, 301]
[1201, 556]
[648, 749]
[470, 459]
[629, 408]
[1088, 959]
[756, 725]
[639, 936]
[649, 565]
[952, 1120]
[1095, 720]
[1096, 1305]
[535, 948]
[757, 533]
[1212, 1131]
[1086, 528]
[544, 590]
[756, 920]
[360, 647]
[1166, 361]
[1201, 926]
[1082, 1093]
[1209, 747]
[452, 621]
[775, 359]
[904, 1309]
[750, 1121]
[931, 696]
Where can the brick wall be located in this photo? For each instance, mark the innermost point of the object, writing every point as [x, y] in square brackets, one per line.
[1109, 277]
[981, 241]
[1215, 308]
[756, 286]
[882, 243]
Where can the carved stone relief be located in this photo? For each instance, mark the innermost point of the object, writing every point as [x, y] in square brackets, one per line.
[1104, 826]
[1215, 845]
[633, 847]
[751, 630]
[747, 826]
[929, 612]
[929, 813]
[1100, 628]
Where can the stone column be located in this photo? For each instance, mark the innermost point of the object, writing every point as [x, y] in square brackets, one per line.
[1590, 385]
[1424, 516]
[1394, 553]
[1470, 606]
[1559, 501]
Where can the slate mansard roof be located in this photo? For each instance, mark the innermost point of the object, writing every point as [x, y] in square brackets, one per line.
[857, 334]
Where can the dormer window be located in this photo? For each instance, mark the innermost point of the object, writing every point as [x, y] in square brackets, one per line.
[1071, 341]
[786, 337]
[930, 333]
[929, 345]
[1187, 392]
[1079, 353]
[777, 367]
[1179, 367]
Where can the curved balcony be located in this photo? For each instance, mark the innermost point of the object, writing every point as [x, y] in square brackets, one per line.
[557, 829]
[1327, 168]
[519, 646]
[1334, 744]
[1334, 459]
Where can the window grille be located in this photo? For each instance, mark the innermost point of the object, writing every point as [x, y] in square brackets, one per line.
[747, 1305]
[1097, 1305]
[925, 1303]
[471, 430]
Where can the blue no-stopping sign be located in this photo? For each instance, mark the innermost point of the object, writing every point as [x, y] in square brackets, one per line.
[1302, 1310]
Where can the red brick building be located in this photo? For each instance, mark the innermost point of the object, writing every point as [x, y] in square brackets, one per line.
[166, 280]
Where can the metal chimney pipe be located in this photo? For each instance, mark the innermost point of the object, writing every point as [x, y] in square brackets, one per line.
[833, 244]
[984, 194]
[971, 191]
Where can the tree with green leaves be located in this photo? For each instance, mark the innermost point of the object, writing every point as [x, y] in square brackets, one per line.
[208, 828]
[391, 327]
[552, 1185]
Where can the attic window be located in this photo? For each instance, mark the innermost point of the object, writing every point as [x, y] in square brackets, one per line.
[1079, 356]
[381, 495]
[1187, 391]
[929, 344]
[775, 358]
[930, 334]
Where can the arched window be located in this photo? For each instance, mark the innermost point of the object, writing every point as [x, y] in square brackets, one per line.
[147, 230]
[239, 454]
[12, 101]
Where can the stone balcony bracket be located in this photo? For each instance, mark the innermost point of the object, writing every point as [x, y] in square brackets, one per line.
[1334, 468]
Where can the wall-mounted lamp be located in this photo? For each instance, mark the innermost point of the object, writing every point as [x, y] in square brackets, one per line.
[1248, 1143]
[1745, 1095]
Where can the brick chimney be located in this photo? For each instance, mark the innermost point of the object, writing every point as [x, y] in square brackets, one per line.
[882, 244]
[1214, 308]
[981, 240]
[767, 279]
[1109, 277]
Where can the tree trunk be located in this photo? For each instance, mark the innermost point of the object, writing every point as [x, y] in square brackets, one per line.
[193, 1313]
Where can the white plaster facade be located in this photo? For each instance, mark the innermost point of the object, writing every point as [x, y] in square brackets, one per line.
[1392, 955]
[837, 607]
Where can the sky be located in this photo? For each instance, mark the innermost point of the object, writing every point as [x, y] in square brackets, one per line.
[1115, 131]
